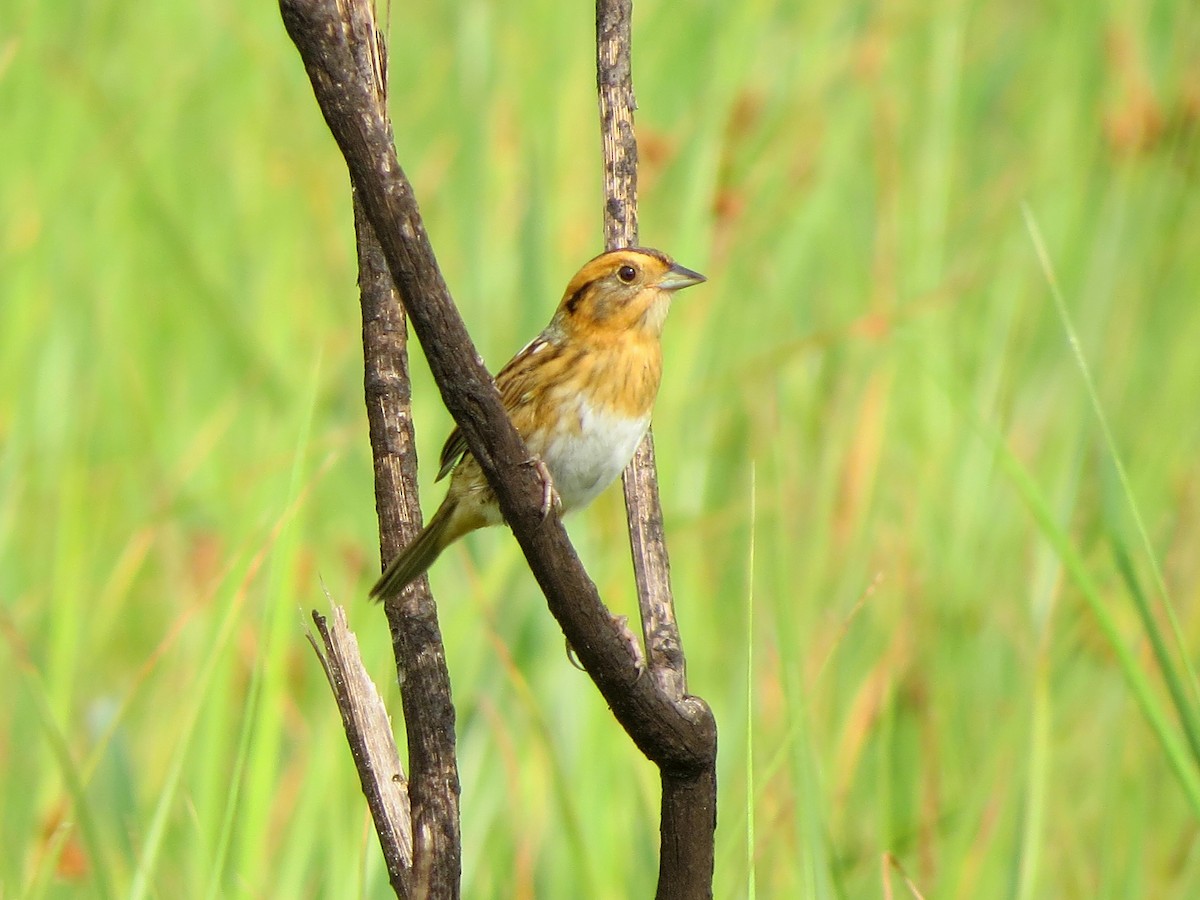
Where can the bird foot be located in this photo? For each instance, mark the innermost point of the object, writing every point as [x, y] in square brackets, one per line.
[550, 498]
[627, 637]
[573, 659]
[631, 641]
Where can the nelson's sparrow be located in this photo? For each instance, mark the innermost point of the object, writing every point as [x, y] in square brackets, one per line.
[579, 394]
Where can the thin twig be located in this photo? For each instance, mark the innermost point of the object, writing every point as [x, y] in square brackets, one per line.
[677, 734]
[671, 734]
[651, 564]
[412, 617]
[420, 656]
[688, 798]
[369, 732]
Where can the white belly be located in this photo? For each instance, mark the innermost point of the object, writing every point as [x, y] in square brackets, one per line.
[584, 464]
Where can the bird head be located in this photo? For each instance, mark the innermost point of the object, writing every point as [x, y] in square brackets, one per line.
[624, 290]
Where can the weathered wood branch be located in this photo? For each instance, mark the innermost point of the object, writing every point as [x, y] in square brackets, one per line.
[369, 732]
[689, 799]
[429, 866]
[674, 730]
[665, 730]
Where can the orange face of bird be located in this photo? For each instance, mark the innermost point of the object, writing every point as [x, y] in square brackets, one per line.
[623, 291]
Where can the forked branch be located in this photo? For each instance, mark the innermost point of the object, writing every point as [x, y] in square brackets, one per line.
[675, 731]
[689, 798]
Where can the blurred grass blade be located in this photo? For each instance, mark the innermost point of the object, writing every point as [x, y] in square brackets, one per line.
[1188, 709]
[1033, 802]
[155, 832]
[1182, 763]
[1161, 655]
[101, 880]
[751, 889]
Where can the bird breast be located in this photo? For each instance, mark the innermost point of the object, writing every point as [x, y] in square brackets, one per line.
[584, 460]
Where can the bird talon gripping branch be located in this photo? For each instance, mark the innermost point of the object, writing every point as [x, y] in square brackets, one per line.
[550, 498]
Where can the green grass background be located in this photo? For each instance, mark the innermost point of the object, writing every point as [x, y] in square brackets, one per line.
[911, 578]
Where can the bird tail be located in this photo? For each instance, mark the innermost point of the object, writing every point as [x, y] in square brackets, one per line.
[411, 562]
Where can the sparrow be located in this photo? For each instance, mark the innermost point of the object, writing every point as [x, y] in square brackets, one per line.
[580, 395]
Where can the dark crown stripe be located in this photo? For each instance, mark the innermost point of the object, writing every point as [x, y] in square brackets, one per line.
[574, 300]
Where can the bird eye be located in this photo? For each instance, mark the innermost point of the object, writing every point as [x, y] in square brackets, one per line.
[627, 274]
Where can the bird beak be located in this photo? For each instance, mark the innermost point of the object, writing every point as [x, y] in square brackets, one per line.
[678, 277]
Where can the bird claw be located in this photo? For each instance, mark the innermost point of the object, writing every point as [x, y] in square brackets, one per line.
[621, 623]
[550, 498]
[573, 659]
[631, 641]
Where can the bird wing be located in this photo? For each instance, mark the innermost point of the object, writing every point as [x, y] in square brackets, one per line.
[515, 382]
[452, 451]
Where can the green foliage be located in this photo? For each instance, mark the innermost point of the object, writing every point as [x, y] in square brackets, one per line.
[975, 566]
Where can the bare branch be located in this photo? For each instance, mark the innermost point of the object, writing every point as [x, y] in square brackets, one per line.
[369, 731]
[412, 618]
[675, 731]
[651, 565]
[674, 735]
[689, 810]
[614, 90]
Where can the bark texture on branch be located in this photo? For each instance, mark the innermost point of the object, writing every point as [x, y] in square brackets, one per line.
[689, 798]
[427, 862]
[675, 731]
[412, 617]
[651, 565]
[667, 732]
[369, 731]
